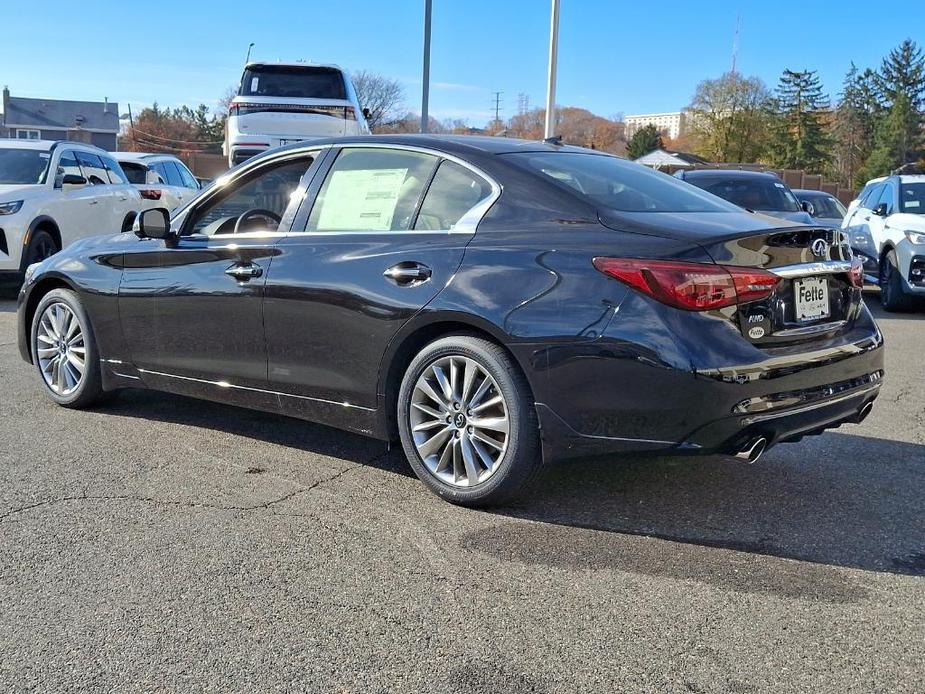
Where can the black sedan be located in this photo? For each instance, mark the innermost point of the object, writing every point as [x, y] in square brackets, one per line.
[495, 304]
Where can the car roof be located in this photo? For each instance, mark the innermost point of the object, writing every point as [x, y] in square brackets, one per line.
[912, 178]
[297, 64]
[142, 156]
[451, 144]
[730, 173]
[48, 145]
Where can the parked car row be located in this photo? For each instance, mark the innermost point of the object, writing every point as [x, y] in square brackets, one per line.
[53, 193]
[885, 224]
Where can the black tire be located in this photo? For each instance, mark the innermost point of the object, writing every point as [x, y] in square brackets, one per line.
[893, 296]
[521, 459]
[89, 389]
[41, 245]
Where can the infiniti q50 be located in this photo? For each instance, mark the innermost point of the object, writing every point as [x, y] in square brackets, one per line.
[494, 304]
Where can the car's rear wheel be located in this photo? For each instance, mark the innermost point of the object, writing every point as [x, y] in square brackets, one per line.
[64, 350]
[467, 422]
[42, 245]
[893, 296]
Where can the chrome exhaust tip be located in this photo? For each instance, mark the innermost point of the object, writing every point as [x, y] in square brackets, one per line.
[863, 412]
[752, 450]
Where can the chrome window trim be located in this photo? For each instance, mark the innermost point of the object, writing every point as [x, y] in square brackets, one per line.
[823, 267]
[467, 224]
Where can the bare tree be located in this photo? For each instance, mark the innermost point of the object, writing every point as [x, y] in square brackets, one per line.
[383, 97]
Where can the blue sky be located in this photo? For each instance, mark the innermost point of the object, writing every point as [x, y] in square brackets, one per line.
[614, 56]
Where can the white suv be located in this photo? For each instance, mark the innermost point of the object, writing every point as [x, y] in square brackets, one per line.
[162, 179]
[279, 103]
[887, 229]
[53, 193]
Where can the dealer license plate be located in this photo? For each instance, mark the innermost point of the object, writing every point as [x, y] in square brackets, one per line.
[812, 298]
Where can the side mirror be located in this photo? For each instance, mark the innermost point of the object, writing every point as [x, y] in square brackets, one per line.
[880, 210]
[68, 181]
[153, 224]
[366, 112]
[808, 208]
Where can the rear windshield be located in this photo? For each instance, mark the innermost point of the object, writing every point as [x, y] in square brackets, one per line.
[912, 198]
[620, 185]
[22, 166]
[826, 207]
[136, 173]
[764, 194]
[295, 82]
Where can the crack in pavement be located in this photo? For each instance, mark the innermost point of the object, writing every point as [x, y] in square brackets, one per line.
[188, 504]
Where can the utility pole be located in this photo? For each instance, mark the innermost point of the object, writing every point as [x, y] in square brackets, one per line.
[735, 46]
[425, 94]
[498, 106]
[131, 122]
[551, 77]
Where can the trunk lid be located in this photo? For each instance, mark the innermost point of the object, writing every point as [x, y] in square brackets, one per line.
[814, 299]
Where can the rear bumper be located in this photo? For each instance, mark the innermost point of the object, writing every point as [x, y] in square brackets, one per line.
[612, 398]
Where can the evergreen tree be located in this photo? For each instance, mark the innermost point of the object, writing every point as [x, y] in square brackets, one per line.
[902, 73]
[855, 119]
[800, 137]
[643, 141]
[892, 143]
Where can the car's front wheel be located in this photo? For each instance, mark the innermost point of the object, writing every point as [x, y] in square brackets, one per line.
[893, 296]
[467, 422]
[41, 246]
[64, 350]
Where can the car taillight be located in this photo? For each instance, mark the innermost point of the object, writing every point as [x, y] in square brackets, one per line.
[233, 109]
[856, 273]
[149, 194]
[691, 286]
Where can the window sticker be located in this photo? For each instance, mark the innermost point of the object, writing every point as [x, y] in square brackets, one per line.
[254, 82]
[779, 185]
[361, 199]
[912, 203]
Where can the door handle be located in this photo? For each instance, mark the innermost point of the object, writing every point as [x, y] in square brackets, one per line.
[408, 274]
[243, 272]
[94, 202]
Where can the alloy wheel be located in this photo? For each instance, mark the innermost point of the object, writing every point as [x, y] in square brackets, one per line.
[459, 421]
[60, 348]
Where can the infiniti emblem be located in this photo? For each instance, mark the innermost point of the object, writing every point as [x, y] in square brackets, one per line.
[819, 247]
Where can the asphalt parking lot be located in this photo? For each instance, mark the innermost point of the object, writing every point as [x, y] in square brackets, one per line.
[162, 543]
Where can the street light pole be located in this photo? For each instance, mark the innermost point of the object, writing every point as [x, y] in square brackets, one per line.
[425, 94]
[551, 77]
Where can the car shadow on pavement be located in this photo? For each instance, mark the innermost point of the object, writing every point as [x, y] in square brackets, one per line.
[835, 499]
[277, 429]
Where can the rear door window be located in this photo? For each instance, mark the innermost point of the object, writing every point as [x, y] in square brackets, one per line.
[93, 168]
[114, 171]
[136, 173]
[173, 177]
[371, 190]
[454, 191]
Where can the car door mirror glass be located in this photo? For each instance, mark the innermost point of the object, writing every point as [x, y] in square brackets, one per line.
[153, 224]
[808, 208]
[880, 210]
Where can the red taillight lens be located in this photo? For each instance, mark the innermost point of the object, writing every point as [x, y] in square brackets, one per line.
[149, 194]
[691, 286]
[233, 109]
[856, 274]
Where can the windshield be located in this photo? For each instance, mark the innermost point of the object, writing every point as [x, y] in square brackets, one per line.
[912, 198]
[23, 166]
[618, 184]
[764, 194]
[295, 82]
